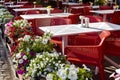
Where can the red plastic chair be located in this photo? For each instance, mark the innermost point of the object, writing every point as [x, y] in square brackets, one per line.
[56, 10]
[18, 18]
[86, 11]
[113, 47]
[89, 54]
[94, 18]
[104, 7]
[74, 18]
[116, 18]
[76, 11]
[60, 21]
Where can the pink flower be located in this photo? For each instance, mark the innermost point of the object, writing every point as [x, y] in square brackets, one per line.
[9, 24]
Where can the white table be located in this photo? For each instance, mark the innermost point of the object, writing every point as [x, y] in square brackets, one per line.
[65, 30]
[79, 7]
[14, 6]
[9, 3]
[104, 12]
[26, 9]
[37, 16]
[22, 2]
[70, 3]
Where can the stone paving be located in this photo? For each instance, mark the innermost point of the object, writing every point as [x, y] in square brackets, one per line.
[6, 72]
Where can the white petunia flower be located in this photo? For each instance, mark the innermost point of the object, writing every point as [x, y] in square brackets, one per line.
[28, 50]
[27, 37]
[49, 77]
[62, 74]
[25, 57]
[20, 61]
[44, 41]
[72, 75]
[18, 55]
[117, 71]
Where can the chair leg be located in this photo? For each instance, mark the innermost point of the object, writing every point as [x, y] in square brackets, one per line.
[102, 73]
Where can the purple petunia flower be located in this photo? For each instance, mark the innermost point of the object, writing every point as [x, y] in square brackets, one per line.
[32, 53]
[22, 54]
[20, 71]
[20, 65]
[25, 62]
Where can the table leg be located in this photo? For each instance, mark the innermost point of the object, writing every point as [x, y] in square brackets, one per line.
[64, 43]
[104, 17]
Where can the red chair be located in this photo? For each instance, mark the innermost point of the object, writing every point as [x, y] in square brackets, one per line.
[104, 7]
[113, 46]
[76, 11]
[60, 21]
[94, 18]
[18, 18]
[56, 10]
[32, 12]
[74, 18]
[86, 11]
[89, 54]
[116, 18]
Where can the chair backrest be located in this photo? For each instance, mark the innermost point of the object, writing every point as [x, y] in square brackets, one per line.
[103, 35]
[32, 12]
[94, 18]
[86, 11]
[104, 7]
[56, 10]
[18, 18]
[60, 21]
[116, 17]
[76, 11]
[74, 18]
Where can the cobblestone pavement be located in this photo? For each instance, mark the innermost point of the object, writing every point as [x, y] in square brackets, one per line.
[5, 70]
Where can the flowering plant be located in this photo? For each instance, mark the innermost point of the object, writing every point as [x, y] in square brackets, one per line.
[34, 2]
[115, 75]
[70, 72]
[17, 29]
[44, 64]
[115, 7]
[21, 61]
[35, 43]
[48, 7]
[28, 47]
[53, 66]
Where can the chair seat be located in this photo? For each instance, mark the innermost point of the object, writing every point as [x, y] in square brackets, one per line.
[91, 39]
[78, 61]
[94, 18]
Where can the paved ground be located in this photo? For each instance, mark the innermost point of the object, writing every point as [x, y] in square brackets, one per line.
[5, 70]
